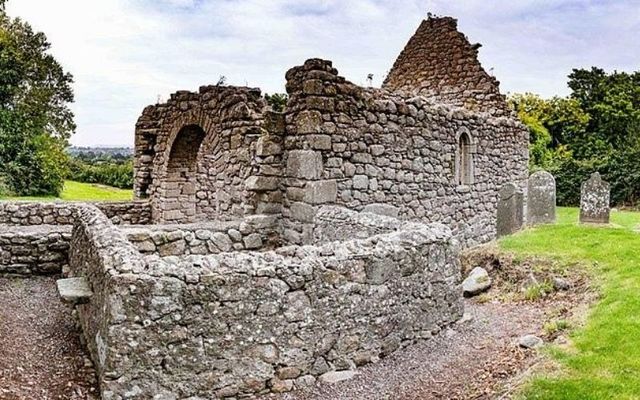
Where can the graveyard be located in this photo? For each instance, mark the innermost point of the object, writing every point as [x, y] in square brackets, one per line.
[430, 238]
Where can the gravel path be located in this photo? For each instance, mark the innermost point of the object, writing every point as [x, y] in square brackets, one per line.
[473, 359]
[40, 352]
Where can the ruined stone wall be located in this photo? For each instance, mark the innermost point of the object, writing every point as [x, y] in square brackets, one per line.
[101, 253]
[34, 250]
[372, 148]
[204, 176]
[63, 213]
[235, 324]
[203, 238]
[440, 64]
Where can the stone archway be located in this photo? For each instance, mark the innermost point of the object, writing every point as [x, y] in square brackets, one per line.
[177, 200]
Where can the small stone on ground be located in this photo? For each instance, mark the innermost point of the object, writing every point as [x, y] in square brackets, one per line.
[530, 342]
[477, 282]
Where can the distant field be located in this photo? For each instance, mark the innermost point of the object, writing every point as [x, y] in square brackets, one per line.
[77, 191]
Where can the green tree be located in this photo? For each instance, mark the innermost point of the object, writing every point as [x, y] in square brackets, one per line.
[35, 119]
[277, 101]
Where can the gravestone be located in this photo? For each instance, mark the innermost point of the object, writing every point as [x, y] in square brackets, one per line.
[594, 200]
[541, 201]
[510, 210]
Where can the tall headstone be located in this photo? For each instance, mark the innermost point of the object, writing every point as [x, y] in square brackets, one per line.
[509, 218]
[594, 200]
[541, 200]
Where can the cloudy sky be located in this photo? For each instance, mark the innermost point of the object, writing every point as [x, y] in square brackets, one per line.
[125, 54]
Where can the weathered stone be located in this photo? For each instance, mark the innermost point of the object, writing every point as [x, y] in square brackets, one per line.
[477, 282]
[321, 192]
[541, 200]
[337, 376]
[594, 200]
[261, 183]
[382, 209]
[253, 241]
[74, 290]
[305, 164]
[510, 208]
[530, 342]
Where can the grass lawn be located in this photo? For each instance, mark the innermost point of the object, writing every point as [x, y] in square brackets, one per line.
[77, 191]
[604, 361]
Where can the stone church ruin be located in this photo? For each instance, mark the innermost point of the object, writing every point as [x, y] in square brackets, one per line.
[265, 249]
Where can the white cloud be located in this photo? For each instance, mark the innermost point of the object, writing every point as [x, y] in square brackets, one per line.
[124, 54]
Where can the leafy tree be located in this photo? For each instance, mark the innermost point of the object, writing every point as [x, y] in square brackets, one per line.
[596, 128]
[35, 119]
[277, 101]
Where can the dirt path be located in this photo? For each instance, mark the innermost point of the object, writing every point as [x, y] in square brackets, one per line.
[40, 352]
[471, 360]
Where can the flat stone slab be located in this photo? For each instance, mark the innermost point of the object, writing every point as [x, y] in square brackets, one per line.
[337, 376]
[74, 290]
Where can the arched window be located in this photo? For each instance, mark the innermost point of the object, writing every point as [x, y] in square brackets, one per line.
[464, 160]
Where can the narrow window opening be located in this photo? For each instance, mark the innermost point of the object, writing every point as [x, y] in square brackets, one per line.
[465, 160]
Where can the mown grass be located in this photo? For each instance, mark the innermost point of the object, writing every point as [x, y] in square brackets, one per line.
[604, 360]
[77, 191]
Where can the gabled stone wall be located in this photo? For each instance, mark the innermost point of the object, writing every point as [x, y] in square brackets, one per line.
[440, 64]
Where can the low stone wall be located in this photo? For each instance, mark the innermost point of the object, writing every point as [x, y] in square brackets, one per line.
[101, 253]
[241, 323]
[27, 213]
[333, 223]
[136, 212]
[40, 250]
[252, 233]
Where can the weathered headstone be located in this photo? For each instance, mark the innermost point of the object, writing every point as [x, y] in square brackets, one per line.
[541, 201]
[594, 200]
[510, 210]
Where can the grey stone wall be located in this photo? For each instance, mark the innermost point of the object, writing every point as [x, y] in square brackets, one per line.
[231, 120]
[235, 324]
[101, 253]
[34, 250]
[27, 213]
[204, 238]
[360, 147]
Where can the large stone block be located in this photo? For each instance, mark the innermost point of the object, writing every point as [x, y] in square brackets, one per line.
[305, 164]
[320, 192]
[509, 218]
[594, 200]
[541, 202]
[261, 183]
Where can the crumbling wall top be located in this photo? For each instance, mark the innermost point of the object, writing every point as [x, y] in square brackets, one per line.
[440, 63]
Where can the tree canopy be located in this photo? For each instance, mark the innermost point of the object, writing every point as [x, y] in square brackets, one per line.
[35, 119]
[595, 128]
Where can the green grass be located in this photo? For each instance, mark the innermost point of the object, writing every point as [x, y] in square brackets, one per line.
[77, 191]
[604, 361]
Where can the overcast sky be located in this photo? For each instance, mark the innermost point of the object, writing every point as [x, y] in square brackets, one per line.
[124, 54]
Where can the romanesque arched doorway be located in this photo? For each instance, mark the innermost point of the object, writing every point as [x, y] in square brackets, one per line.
[177, 200]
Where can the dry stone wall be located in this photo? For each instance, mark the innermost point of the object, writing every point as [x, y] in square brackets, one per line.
[371, 148]
[27, 213]
[235, 324]
[204, 238]
[34, 250]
